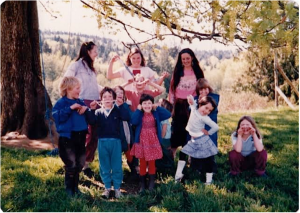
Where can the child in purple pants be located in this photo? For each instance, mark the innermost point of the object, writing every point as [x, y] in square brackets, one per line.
[248, 150]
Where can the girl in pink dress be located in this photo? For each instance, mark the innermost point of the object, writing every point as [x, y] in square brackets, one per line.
[147, 140]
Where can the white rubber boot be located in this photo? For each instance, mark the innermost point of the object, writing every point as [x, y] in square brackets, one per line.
[180, 167]
[209, 179]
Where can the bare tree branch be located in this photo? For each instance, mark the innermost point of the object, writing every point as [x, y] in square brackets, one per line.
[47, 10]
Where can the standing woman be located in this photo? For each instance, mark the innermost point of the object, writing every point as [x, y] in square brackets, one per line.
[183, 83]
[137, 65]
[83, 69]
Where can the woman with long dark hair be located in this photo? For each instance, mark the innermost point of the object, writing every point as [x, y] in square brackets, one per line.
[186, 73]
[83, 69]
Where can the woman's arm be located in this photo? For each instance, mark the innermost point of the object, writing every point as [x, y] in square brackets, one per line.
[72, 70]
[156, 86]
[162, 77]
[110, 74]
[130, 81]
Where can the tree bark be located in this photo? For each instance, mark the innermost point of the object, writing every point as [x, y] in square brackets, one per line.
[22, 92]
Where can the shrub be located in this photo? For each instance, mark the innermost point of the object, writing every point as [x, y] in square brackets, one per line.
[243, 101]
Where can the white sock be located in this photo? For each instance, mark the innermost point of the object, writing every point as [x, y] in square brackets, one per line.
[180, 167]
[209, 178]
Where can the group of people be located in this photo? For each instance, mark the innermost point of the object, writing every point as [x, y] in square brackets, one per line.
[127, 119]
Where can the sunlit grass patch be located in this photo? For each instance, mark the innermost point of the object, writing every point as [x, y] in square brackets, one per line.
[34, 181]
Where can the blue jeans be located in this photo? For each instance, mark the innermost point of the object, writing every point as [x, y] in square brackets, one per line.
[110, 161]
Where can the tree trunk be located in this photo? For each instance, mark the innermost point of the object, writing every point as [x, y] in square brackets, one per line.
[22, 91]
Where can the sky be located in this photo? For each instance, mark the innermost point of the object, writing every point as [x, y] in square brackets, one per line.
[71, 16]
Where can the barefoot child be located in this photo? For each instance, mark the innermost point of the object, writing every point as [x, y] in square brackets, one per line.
[147, 141]
[109, 119]
[69, 114]
[200, 147]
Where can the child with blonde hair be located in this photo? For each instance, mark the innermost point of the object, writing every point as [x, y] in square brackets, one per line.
[70, 114]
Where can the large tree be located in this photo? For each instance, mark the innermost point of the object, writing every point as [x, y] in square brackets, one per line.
[22, 92]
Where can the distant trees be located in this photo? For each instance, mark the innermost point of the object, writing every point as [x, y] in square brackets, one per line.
[46, 48]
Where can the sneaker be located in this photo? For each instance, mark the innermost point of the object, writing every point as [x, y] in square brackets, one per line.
[88, 172]
[105, 194]
[118, 193]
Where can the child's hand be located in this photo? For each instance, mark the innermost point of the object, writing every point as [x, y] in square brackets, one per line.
[82, 110]
[93, 105]
[165, 74]
[190, 100]
[205, 131]
[154, 106]
[75, 106]
[240, 131]
[146, 81]
[252, 130]
[139, 107]
[130, 80]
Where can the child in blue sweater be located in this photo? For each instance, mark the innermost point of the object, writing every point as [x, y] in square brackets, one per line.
[70, 115]
[109, 119]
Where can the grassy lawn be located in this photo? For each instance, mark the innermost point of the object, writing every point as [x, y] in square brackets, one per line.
[34, 181]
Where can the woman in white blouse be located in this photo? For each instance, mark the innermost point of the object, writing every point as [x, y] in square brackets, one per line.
[136, 64]
[83, 69]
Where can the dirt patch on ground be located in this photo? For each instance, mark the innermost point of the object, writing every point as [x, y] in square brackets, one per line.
[14, 140]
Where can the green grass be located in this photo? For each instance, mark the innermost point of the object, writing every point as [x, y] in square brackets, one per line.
[34, 181]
